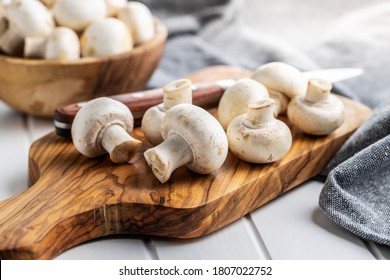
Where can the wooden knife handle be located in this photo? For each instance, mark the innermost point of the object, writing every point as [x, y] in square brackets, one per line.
[205, 95]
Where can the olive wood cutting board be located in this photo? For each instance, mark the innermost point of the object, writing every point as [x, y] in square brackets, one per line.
[74, 199]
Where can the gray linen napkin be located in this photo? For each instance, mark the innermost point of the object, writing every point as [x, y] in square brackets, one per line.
[356, 193]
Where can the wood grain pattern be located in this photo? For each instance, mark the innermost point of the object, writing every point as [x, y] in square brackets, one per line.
[38, 87]
[75, 199]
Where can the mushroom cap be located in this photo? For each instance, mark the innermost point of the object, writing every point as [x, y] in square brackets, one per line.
[108, 36]
[63, 44]
[281, 77]
[30, 18]
[91, 121]
[78, 14]
[235, 100]
[151, 124]
[262, 143]
[202, 132]
[320, 118]
[139, 20]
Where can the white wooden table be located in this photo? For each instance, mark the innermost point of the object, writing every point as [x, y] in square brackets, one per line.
[290, 227]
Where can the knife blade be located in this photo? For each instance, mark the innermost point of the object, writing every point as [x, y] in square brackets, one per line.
[334, 75]
[205, 95]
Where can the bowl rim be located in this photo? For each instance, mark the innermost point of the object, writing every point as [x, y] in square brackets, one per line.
[160, 36]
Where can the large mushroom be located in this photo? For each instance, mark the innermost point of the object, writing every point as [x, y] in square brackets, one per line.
[176, 92]
[193, 137]
[283, 82]
[78, 14]
[108, 36]
[26, 18]
[235, 100]
[139, 20]
[318, 112]
[258, 137]
[103, 126]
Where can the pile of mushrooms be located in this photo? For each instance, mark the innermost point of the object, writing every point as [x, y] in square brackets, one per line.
[185, 134]
[248, 115]
[70, 29]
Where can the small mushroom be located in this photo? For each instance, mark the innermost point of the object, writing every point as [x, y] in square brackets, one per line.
[283, 82]
[319, 112]
[103, 126]
[193, 137]
[235, 100]
[26, 18]
[62, 44]
[258, 137]
[105, 37]
[78, 14]
[139, 20]
[113, 6]
[176, 92]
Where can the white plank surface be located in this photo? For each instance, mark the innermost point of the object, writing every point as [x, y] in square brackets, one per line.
[14, 145]
[293, 227]
[239, 240]
[110, 248]
[39, 127]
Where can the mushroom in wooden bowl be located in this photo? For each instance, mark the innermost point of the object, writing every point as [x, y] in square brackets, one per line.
[49, 75]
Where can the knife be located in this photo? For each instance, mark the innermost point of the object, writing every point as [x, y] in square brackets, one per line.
[205, 95]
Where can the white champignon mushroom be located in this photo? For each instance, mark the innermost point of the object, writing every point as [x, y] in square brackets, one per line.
[113, 6]
[283, 82]
[105, 37]
[26, 18]
[319, 112]
[193, 137]
[258, 137]
[176, 92]
[235, 100]
[62, 44]
[103, 126]
[139, 20]
[78, 14]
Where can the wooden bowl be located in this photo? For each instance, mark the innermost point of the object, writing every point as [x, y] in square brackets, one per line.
[38, 87]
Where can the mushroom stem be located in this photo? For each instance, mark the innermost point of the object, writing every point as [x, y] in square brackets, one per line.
[318, 90]
[177, 92]
[168, 156]
[261, 111]
[119, 144]
[34, 47]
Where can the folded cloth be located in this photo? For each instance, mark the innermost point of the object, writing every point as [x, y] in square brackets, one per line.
[356, 193]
